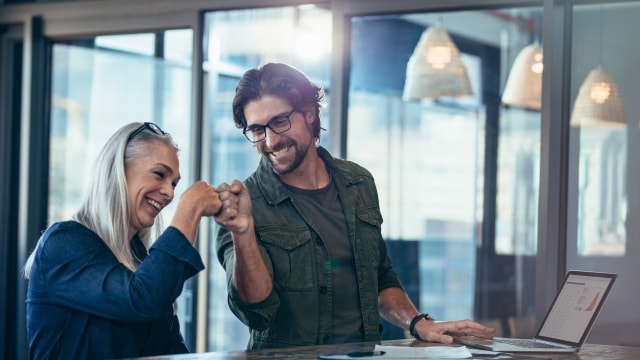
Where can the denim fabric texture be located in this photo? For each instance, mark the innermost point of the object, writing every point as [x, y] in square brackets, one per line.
[82, 303]
[298, 311]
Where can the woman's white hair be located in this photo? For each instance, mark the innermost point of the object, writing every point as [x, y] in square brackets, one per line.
[105, 209]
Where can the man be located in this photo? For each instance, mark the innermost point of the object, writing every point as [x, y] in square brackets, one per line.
[301, 243]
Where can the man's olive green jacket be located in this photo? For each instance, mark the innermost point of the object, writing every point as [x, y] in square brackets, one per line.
[298, 310]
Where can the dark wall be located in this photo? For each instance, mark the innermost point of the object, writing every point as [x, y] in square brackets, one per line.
[380, 51]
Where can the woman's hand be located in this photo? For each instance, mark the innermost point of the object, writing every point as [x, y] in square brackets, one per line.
[200, 199]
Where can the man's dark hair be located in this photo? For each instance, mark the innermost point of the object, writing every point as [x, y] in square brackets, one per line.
[279, 80]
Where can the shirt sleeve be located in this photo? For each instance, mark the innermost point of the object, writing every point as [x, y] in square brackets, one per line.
[387, 276]
[73, 267]
[255, 315]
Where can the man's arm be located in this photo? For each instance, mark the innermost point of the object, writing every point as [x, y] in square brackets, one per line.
[250, 277]
[395, 306]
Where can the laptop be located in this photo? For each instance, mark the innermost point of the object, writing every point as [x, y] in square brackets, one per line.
[567, 323]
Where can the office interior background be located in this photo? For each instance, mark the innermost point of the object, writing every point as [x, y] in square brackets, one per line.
[486, 203]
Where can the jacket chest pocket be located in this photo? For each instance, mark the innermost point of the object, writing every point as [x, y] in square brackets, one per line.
[369, 222]
[292, 258]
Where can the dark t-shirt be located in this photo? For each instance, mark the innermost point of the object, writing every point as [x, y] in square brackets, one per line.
[324, 208]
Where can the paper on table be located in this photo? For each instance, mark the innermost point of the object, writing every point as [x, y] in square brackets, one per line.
[426, 352]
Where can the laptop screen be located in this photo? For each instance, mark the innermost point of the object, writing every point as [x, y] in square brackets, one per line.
[576, 307]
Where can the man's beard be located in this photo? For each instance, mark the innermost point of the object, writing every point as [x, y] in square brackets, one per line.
[298, 156]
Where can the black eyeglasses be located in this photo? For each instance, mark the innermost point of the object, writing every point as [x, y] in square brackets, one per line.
[279, 124]
[148, 125]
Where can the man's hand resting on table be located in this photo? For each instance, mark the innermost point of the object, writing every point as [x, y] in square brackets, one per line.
[442, 331]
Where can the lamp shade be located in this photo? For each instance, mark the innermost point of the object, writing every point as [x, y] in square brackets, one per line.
[435, 68]
[598, 102]
[524, 84]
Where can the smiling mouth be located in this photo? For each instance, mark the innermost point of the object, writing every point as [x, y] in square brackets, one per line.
[280, 151]
[155, 204]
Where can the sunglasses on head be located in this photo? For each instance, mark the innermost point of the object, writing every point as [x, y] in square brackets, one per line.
[147, 125]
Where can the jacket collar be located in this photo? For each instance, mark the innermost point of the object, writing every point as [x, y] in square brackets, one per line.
[274, 189]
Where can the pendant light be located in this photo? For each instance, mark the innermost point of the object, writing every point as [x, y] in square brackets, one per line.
[524, 83]
[435, 68]
[598, 103]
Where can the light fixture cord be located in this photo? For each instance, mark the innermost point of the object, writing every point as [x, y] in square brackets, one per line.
[601, 33]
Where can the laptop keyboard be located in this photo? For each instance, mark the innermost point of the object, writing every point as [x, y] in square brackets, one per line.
[527, 343]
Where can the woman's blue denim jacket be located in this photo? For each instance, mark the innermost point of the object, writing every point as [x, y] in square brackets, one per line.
[298, 310]
[82, 303]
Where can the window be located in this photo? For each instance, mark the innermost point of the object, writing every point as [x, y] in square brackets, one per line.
[101, 84]
[457, 177]
[236, 41]
[604, 200]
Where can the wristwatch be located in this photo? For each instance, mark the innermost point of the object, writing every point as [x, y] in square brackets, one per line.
[414, 321]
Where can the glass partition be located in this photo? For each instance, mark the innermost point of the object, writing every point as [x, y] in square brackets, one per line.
[102, 83]
[457, 175]
[99, 85]
[604, 200]
[236, 41]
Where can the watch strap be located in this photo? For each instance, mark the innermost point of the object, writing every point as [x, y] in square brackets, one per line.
[413, 323]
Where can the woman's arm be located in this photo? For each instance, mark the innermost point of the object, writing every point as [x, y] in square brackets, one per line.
[74, 268]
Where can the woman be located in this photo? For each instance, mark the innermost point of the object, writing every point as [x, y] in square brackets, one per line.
[96, 289]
